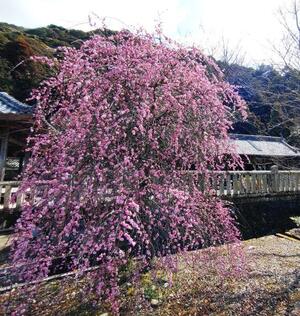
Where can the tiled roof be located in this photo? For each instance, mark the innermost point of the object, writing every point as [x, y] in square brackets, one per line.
[258, 145]
[9, 105]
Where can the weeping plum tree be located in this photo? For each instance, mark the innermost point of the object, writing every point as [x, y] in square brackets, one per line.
[116, 132]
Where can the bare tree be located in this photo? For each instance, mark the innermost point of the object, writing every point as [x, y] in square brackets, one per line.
[231, 54]
[283, 94]
[289, 50]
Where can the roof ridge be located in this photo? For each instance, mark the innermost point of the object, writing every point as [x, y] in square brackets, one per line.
[9, 104]
[262, 145]
[12, 99]
[258, 137]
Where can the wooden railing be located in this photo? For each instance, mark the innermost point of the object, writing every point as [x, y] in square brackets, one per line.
[9, 199]
[224, 184]
[255, 183]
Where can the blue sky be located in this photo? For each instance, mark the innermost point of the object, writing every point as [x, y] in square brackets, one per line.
[250, 24]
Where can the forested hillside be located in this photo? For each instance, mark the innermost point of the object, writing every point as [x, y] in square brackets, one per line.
[272, 96]
[18, 75]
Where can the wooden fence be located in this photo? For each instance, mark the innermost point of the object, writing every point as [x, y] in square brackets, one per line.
[255, 183]
[9, 199]
[224, 183]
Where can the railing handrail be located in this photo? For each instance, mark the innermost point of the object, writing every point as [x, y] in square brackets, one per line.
[261, 172]
[224, 183]
[3, 183]
[244, 172]
[255, 172]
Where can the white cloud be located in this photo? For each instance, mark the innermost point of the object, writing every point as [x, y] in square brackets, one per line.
[204, 22]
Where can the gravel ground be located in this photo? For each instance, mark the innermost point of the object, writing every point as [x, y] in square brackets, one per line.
[274, 273]
[271, 287]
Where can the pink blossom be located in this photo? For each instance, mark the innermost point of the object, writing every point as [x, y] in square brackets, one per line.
[127, 116]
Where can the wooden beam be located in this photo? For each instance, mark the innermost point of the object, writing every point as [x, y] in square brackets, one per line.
[16, 142]
[16, 117]
[3, 154]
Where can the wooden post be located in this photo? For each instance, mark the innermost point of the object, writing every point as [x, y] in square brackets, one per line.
[25, 160]
[258, 183]
[274, 178]
[248, 184]
[3, 154]
[7, 197]
[19, 200]
[228, 185]
[292, 176]
[241, 184]
[265, 183]
[253, 183]
[234, 184]
[290, 182]
[221, 184]
[214, 183]
[284, 182]
[201, 182]
[280, 184]
[297, 182]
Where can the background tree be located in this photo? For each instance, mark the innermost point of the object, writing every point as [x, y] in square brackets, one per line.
[289, 52]
[271, 91]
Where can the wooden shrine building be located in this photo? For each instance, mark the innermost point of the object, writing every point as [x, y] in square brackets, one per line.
[16, 118]
[15, 122]
[261, 152]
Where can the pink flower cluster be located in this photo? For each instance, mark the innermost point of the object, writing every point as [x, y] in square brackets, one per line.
[116, 131]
